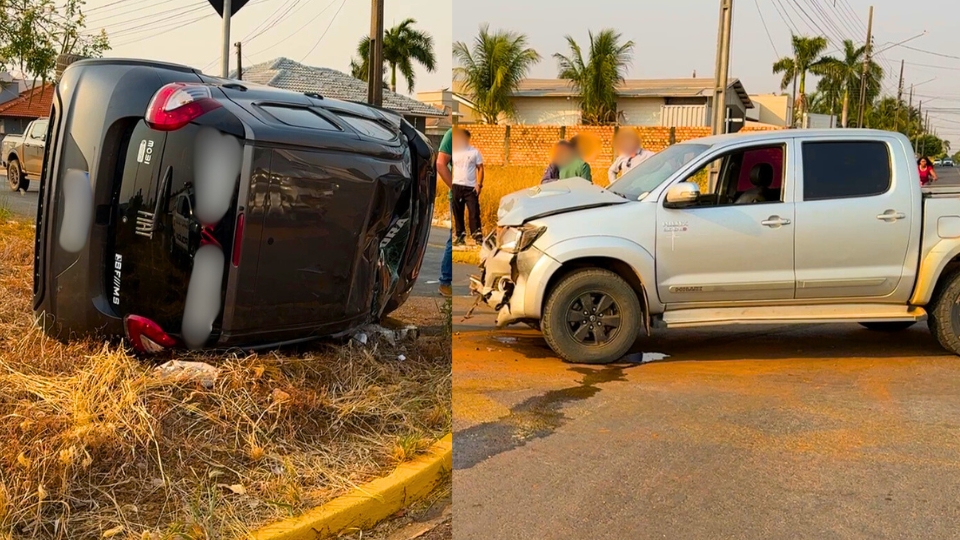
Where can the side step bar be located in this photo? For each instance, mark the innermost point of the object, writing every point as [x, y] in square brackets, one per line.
[811, 314]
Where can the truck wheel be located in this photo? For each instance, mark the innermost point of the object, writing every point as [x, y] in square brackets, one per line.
[888, 326]
[592, 316]
[943, 313]
[15, 177]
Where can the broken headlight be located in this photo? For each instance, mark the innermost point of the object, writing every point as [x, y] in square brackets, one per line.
[517, 239]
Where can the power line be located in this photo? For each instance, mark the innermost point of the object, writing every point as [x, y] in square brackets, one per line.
[931, 52]
[268, 25]
[99, 19]
[153, 21]
[767, 30]
[785, 16]
[324, 31]
[297, 31]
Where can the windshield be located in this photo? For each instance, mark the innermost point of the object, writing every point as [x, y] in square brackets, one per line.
[646, 176]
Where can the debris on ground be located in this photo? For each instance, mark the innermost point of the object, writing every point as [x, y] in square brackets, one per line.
[180, 371]
[644, 358]
[505, 339]
[392, 336]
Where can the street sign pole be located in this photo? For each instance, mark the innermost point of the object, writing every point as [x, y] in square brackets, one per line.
[225, 52]
[375, 62]
[723, 68]
[866, 65]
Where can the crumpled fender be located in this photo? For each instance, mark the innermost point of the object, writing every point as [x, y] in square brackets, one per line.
[631, 253]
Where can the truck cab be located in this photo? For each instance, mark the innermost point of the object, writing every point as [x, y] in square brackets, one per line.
[779, 227]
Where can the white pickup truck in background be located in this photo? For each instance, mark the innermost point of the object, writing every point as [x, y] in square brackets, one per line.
[798, 226]
[22, 155]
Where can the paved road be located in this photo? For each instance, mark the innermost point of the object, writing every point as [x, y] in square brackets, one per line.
[827, 431]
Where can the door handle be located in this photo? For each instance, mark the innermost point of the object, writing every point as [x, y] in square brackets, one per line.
[774, 222]
[891, 216]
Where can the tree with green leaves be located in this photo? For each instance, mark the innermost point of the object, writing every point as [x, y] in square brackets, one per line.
[807, 52]
[596, 77]
[403, 45]
[842, 78]
[34, 32]
[490, 70]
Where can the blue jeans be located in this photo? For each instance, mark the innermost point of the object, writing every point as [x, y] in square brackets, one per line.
[446, 264]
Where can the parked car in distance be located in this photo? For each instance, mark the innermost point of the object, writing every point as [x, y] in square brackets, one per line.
[937, 162]
[948, 162]
[183, 210]
[797, 227]
[22, 155]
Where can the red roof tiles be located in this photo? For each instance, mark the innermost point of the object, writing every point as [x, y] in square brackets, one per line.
[32, 103]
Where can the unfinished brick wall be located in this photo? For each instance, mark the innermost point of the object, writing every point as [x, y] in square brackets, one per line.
[532, 146]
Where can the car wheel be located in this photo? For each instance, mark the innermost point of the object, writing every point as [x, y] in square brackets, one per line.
[592, 316]
[15, 177]
[943, 313]
[896, 326]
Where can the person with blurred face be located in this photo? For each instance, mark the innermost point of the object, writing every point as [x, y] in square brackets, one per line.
[445, 172]
[629, 153]
[570, 164]
[467, 184]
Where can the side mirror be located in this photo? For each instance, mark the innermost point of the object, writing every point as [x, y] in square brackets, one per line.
[682, 194]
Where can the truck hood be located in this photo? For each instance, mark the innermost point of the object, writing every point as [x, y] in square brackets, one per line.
[554, 198]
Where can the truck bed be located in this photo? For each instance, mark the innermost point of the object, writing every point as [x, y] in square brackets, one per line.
[940, 191]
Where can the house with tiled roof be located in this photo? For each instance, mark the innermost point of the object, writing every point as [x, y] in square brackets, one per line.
[31, 104]
[330, 83]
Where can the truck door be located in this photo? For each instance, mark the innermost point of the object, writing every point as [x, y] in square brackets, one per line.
[33, 147]
[855, 220]
[736, 242]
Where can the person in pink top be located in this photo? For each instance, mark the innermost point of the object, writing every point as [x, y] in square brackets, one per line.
[927, 174]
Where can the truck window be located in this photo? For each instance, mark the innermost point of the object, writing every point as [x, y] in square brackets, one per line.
[751, 175]
[38, 130]
[297, 117]
[844, 169]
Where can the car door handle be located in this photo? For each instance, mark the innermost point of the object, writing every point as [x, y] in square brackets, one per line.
[891, 216]
[775, 221]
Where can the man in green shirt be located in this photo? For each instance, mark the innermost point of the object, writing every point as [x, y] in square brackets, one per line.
[570, 163]
[445, 170]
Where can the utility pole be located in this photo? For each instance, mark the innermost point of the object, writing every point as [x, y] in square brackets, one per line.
[866, 66]
[896, 118]
[239, 61]
[916, 141]
[723, 68]
[225, 53]
[793, 102]
[375, 62]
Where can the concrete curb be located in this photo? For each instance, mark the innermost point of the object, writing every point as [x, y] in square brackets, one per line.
[370, 503]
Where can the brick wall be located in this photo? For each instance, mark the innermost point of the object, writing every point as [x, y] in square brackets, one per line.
[532, 146]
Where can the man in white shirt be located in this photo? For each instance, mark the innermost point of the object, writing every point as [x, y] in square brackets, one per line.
[629, 153]
[467, 183]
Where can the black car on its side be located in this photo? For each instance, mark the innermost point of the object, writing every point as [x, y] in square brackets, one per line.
[180, 209]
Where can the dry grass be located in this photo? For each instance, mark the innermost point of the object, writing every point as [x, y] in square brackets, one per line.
[93, 444]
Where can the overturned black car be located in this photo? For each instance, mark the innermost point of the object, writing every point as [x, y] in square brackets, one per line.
[183, 210]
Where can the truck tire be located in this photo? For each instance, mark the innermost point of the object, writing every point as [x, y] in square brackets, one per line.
[15, 177]
[584, 302]
[943, 312]
[895, 326]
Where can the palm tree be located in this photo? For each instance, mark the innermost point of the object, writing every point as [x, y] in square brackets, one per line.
[597, 78]
[844, 75]
[402, 46]
[806, 58]
[491, 71]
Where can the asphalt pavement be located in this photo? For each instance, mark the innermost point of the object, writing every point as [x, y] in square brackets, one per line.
[821, 431]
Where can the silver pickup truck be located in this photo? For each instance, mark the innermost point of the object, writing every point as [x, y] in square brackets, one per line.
[795, 226]
[22, 155]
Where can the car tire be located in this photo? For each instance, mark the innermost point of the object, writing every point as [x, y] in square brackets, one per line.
[15, 177]
[893, 326]
[573, 336]
[943, 313]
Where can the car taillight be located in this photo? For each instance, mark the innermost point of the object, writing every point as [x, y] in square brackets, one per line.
[177, 104]
[145, 335]
[237, 240]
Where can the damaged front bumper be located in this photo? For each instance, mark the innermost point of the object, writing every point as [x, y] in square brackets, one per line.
[512, 283]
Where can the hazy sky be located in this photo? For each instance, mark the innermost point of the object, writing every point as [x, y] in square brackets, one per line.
[673, 38]
[188, 31]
